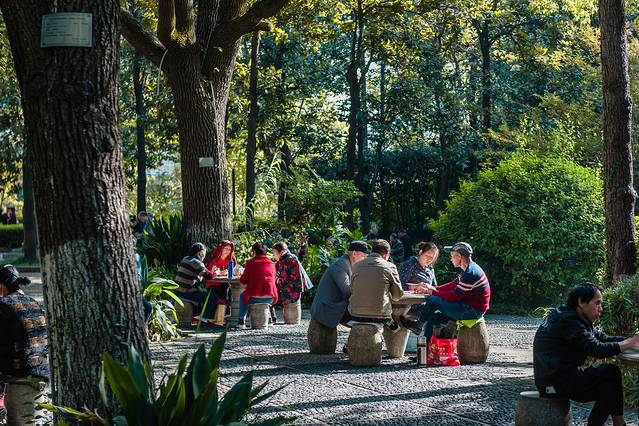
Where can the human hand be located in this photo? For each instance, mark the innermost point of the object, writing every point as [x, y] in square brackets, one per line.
[631, 342]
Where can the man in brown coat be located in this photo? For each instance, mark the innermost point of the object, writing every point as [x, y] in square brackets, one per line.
[374, 282]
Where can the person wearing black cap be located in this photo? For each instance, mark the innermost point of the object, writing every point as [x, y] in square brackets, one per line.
[190, 274]
[334, 289]
[466, 297]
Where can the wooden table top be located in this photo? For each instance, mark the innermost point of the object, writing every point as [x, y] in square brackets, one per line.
[234, 280]
[410, 299]
[630, 356]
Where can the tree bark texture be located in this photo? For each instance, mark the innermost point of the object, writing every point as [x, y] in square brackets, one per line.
[251, 143]
[197, 51]
[70, 103]
[29, 222]
[618, 180]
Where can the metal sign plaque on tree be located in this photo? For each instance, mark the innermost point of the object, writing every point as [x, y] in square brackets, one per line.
[67, 30]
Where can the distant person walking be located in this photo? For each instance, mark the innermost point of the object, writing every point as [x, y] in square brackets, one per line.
[397, 249]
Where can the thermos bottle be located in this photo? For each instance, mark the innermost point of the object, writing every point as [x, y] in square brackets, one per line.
[230, 269]
[422, 351]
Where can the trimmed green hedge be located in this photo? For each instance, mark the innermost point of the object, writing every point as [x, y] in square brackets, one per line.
[11, 236]
[536, 224]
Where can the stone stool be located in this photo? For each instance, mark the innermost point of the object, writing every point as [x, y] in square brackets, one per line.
[533, 410]
[260, 314]
[22, 395]
[292, 312]
[365, 345]
[184, 312]
[321, 339]
[473, 343]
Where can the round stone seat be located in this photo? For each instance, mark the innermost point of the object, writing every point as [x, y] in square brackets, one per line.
[184, 313]
[473, 343]
[365, 345]
[292, 312]
[321, 339]
[260, 314]
[534, 410]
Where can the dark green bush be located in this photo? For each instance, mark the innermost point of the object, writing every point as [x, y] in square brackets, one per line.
[167, 243]
[621, 318]
[536, 224]
[11, 236]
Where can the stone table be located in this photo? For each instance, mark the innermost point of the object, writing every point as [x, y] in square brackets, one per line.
[236, 290]
[396, 342]
[629, 357]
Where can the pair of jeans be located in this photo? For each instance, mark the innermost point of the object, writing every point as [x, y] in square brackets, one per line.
[208, 311]
[457, 310]
[600, 383]
[252, 301]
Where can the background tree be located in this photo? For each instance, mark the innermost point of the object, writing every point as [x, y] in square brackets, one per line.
[69, 98]
[619, 191]
[197, 48]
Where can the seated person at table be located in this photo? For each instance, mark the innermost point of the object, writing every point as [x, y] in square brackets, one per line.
[23, 339]
[466, 297]
[218, 265]
[374, 282]
[418, 270]
[259, 277]
[331, 299]
[562, 343]
[290, 277]
[190, 273]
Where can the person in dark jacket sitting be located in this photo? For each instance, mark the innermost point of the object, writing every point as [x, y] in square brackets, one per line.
[562, 343]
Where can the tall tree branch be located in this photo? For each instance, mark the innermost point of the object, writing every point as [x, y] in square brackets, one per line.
[166, 21]
[185, 20]
[229, 32]
[143, 40]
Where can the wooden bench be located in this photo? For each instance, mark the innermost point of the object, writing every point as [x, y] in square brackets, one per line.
[534, 410]
[292, 312]
[365, 345]
[321, 339]
[22, 394]
[259, 314]
[473, 343]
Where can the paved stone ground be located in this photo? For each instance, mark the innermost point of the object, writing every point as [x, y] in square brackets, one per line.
[325, 389]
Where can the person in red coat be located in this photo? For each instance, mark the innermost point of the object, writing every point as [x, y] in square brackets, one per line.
[259, 277]
[218, 264]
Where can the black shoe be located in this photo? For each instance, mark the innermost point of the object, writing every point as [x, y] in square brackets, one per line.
[345, 349]
[392, 326]
[273, 319]
[414, 326]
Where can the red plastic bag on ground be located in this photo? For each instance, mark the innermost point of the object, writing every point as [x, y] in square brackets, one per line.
[442, 352]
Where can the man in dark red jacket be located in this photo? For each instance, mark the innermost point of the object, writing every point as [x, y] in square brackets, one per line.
[466, 297]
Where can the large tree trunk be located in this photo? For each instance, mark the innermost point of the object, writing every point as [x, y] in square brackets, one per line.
[140, 117]
[30, 247]
[200, 119]
[251, 143]
[618, 181]
[70, 102]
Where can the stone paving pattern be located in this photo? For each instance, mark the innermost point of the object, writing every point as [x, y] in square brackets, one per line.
[326, 389]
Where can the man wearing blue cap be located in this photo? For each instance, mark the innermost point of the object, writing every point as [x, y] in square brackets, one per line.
[466, 297]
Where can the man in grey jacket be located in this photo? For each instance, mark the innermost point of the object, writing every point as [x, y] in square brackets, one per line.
[334, 289]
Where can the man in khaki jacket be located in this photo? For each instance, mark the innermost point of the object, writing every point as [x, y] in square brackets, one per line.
[374, 282]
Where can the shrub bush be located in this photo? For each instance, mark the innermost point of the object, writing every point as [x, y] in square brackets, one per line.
[167, 243]
[11, 236]
[621, 318]
[536, 224]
